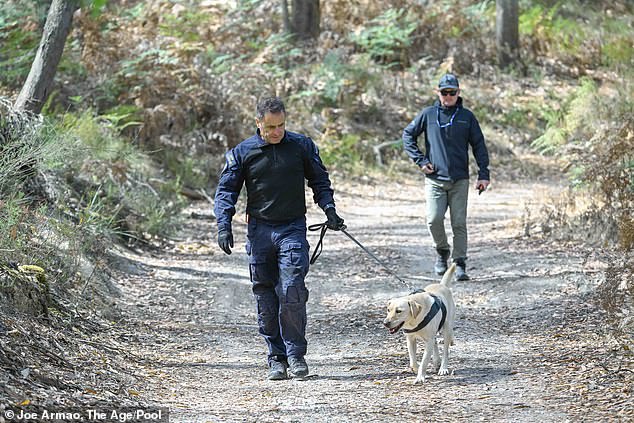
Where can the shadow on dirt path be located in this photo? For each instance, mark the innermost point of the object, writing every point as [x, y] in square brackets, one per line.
[529, 343]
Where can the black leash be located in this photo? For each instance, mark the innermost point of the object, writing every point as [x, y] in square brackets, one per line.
[323, 227]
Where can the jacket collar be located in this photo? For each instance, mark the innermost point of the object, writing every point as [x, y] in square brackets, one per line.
[452, 108]
[262, 142]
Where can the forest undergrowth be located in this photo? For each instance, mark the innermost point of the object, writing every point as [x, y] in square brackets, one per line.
[149, 95]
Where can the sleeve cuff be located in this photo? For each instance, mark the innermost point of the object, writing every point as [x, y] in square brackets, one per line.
[224, 227]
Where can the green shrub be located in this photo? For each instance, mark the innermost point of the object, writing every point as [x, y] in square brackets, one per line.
[577, 34]
[341, 151]
[186, 26]
[546, 25]
[192, 172]
[387, 37]
[12, 215]
[593, 136]
[123, 116]
[22, 146]
[618, 52]
[116, 187]
[20, 22]
[280, 55]
[337, 82]
[70, 186]
[219, 63]
[33, 228]
[563, 124]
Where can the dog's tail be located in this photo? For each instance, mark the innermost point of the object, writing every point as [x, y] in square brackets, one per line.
[448, 276]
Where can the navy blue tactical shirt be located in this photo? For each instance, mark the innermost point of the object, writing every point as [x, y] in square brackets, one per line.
[448, 134]
[274, 175]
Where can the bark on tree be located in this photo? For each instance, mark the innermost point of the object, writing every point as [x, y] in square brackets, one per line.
[37, 86]
[507, 32]
[285, 19]
[305, 19]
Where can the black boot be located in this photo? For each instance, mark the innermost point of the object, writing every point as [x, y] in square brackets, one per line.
[440, 267]
[461, 270]
[277, 368]
[297, 367]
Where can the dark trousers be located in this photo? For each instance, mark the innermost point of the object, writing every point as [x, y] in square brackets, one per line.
[278, 263]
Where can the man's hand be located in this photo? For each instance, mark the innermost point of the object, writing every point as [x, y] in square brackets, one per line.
[334, 221]
[225, 240]
[482, 185]
[428, 169]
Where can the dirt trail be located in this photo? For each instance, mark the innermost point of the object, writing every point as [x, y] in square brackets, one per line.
[529, 344]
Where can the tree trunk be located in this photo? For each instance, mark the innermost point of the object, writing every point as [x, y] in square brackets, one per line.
[305, 19]
[287, 23]
[37, 86]
[507, 32]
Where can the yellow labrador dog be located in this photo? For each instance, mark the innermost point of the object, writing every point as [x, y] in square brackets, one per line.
[421, 315]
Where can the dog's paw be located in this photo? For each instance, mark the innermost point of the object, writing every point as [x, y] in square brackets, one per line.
[419, 380]
[443, 371]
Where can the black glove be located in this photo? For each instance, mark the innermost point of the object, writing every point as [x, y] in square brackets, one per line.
[334, 221]
[225, 240]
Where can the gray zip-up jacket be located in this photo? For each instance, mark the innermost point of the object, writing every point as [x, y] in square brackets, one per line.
[448, 134]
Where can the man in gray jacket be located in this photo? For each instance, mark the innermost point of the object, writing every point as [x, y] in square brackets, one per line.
[449, 129]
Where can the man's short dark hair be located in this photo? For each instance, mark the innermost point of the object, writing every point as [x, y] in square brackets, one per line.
[269, 105]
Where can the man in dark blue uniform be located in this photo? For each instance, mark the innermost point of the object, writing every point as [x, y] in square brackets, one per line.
[274, 164]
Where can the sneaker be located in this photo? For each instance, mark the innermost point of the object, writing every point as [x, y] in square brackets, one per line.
[461, 271]
[277, 370]
[297, 366]
[440, 266]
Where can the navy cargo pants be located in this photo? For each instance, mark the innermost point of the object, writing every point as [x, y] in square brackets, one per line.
[278, 263]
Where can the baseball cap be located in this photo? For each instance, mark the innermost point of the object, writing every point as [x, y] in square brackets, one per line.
[448, 80]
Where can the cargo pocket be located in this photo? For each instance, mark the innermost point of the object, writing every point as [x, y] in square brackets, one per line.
[296, 295]
[293, 270]
[263, 275]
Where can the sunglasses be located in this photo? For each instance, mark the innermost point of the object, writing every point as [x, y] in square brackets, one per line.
[445, 93]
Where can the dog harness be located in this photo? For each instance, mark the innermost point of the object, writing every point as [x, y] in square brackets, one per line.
[437, 306]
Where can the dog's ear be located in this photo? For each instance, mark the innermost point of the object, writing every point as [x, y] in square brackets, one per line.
[414, 308]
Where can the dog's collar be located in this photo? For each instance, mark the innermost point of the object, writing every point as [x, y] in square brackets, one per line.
[438, 305]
